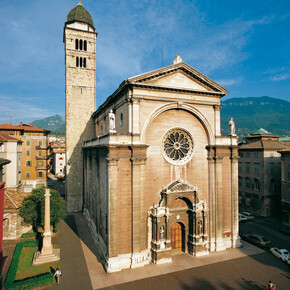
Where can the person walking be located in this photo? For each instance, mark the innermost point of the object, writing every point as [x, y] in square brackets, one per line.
[57, 275]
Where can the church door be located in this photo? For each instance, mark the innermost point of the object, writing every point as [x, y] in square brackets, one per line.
[177, 237]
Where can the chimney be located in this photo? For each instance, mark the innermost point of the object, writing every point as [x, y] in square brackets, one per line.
[21, 124]
[30, 124]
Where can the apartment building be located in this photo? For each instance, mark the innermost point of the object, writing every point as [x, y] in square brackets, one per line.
[11, 149]
[57, 157]
[260, 173]
[35, 155]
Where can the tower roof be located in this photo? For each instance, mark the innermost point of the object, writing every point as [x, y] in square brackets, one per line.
[80, 14]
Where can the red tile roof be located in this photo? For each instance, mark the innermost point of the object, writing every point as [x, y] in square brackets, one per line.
[22, 127]
[6, 138]
[13, 199]
[264, 144]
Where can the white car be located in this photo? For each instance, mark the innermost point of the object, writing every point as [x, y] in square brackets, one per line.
[242, 218]
[248, 215]
[282, 254]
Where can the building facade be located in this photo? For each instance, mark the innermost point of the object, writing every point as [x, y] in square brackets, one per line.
[11, 149]
[260, 173]
[35, 155]
[57, 159]
[285, 186]
[158, 176]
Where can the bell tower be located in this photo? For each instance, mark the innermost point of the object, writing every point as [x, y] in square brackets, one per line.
[80, 97]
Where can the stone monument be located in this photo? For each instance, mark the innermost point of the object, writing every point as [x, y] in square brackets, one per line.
[48, 253]
[112, 125]
[232, 127]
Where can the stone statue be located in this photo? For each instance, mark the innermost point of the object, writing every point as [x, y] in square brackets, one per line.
[162, 233]
[112, 122]
[232, 127]
[200, 227]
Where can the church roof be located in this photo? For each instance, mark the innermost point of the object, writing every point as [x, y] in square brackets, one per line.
[262, 131]
[186, 80]
[80, 14]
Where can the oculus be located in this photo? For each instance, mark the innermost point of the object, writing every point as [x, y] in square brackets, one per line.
[177, 145]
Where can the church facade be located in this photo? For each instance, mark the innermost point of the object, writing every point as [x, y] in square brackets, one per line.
[158, 177]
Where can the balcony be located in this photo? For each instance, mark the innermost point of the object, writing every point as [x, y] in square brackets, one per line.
[42, 167]
[41, 147]
[42, 157]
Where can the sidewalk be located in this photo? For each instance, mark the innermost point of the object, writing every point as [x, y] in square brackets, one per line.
[82, 269]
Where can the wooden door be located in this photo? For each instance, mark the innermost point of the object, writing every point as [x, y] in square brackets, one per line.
[176, 237]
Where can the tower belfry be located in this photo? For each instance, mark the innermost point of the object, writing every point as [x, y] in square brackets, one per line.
[80, 97]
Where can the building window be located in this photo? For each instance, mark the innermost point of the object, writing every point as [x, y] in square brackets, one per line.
[248, 155]
[39, 153]
[85, 45]
[256, 184]
[272, 167]
[241, 154]
[40, 143]
[60, 158]
[288, 171]
[27, 174]
[272, 185]
[28, 163]
[77, 44]
[248, 165]
[288, 192]
[81, 44]
[28, 143]
[240, 167]
[27, 152]
[77, 61]
[60, 164]
[240, 181]
[85, 62]
[257, 167]
[248, 182]
[256, 154]
[40, 163]
[39, 174]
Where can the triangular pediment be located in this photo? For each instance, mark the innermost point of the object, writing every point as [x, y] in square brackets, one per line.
[178, 76]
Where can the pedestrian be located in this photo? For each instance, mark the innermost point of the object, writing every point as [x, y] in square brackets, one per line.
[271, 286]
[57, 275]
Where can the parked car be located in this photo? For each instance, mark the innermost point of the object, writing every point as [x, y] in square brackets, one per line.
[282, 254]
[248, 215]
[257, 240]
[242, 218]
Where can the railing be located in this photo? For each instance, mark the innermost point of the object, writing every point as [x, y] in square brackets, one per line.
[42, 157]
[41, 147]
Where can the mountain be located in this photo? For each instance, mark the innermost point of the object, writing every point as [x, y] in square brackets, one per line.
[250, 114]
[55, 124]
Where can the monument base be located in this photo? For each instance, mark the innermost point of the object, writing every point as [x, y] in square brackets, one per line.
[40, 258]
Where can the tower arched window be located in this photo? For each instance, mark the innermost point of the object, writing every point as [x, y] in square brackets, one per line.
[77, 61]
[85, 45]
[81, 44]
[81, 62]
[85, 62]
[77, 44]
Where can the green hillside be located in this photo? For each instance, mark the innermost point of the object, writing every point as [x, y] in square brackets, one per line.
[55, 124]
[251, 114]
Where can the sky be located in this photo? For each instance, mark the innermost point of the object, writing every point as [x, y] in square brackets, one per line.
[242, 45]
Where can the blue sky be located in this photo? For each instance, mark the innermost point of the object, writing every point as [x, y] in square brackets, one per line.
[243, 45]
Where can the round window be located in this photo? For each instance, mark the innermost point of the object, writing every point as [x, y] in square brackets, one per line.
[177, 146]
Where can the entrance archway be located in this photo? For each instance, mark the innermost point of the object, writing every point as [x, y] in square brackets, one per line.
[178, 237]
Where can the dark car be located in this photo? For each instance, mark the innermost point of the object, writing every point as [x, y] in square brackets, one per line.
[257, 240]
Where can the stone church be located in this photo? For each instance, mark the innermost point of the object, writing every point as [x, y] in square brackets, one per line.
[149, 168]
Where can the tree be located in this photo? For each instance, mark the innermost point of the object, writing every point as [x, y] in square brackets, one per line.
[32, 209]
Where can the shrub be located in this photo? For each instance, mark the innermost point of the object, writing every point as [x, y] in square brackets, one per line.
[9, 283]
[28, 235]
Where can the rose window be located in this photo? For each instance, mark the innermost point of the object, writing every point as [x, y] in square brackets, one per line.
[177, 146]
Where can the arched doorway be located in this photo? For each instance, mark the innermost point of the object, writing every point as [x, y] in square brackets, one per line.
[178, 237]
